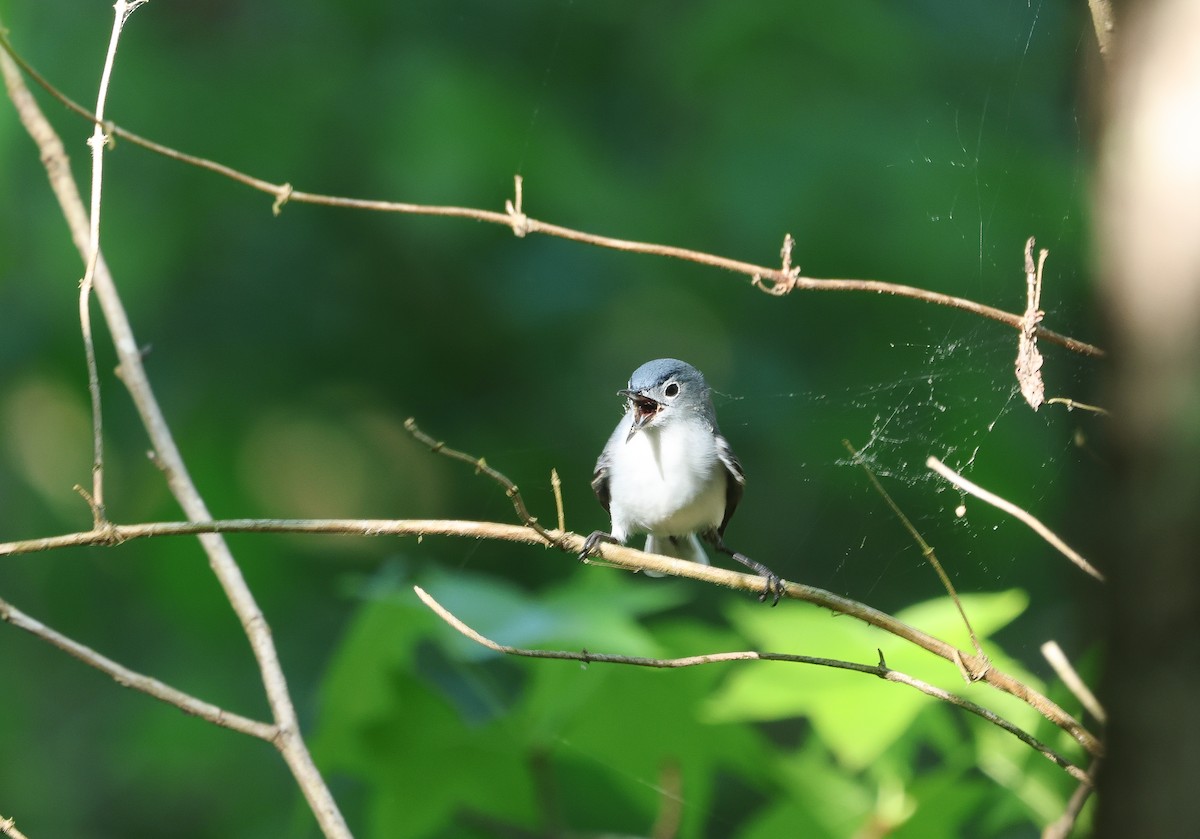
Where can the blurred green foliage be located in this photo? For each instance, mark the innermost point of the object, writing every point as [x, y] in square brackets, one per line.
[919, 144]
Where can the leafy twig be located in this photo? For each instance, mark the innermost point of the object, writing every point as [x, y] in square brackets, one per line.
[881, 670]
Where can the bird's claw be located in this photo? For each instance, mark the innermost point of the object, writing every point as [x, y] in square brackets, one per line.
[592, 542]
[775, 587]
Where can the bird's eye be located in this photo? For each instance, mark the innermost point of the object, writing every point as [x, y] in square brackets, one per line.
[671, 390]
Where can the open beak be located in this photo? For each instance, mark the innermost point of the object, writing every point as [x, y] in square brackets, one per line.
[644, 409]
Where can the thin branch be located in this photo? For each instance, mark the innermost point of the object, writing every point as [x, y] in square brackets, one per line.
[510, 489]
[1013, 510]
[131, 679]
[9, 828]
[927, 552]
[776, 281]
[1073, 405]
[115, 534]
[1053, 654]
[1062, 826]
[97, 142]
[289, 742]
[881, 670]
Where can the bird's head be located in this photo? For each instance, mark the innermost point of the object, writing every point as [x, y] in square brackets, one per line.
[662, 389]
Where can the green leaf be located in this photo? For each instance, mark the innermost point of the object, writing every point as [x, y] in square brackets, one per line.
[856, 716]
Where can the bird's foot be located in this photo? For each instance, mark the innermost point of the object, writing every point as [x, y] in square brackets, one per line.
[592, 542]
[774, 587]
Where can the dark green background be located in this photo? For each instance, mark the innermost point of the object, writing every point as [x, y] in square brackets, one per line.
[918, 145]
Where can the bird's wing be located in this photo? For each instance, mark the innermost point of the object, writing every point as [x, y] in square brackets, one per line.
[735, 480]
[600, 480]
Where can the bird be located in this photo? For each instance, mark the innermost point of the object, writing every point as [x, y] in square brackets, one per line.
[668, 472]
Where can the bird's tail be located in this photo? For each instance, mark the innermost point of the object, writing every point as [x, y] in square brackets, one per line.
[681, 547]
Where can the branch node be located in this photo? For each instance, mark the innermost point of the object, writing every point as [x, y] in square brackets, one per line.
[283, 194]
[783, 281]
[99, 519]
[972, 668]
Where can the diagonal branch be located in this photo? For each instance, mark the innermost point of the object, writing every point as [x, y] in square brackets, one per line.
[289, 742]
[881, 670]
[8, 827]
[131, 679]
[777, 281]
[1070, 677]
[1013, 510]
[926, 551]
[1063, 826]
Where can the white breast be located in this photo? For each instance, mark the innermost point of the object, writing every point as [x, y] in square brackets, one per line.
[666, 484]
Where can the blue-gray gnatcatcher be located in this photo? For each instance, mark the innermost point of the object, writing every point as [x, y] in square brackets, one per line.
[666, 471]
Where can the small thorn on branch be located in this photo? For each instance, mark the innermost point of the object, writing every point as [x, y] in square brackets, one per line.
[556, 485]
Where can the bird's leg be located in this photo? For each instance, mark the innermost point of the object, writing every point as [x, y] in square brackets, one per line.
[774, 585]
[590, 543]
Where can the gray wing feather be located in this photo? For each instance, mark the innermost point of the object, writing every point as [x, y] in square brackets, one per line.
[600, 481]
[735, 480]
